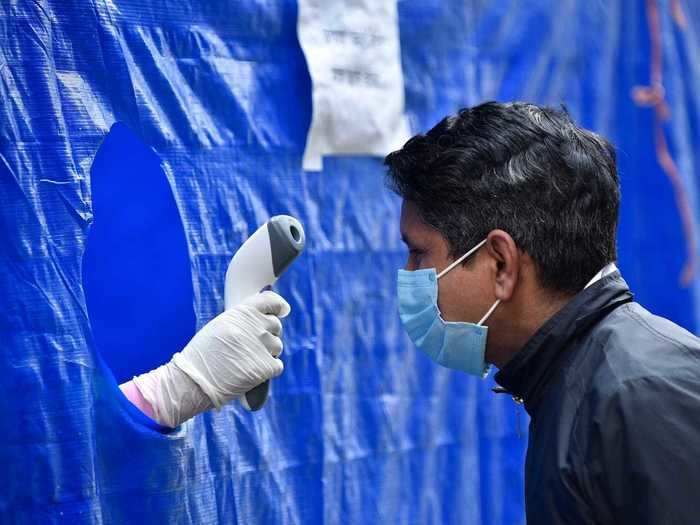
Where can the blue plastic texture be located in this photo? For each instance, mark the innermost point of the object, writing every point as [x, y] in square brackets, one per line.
[361, 428]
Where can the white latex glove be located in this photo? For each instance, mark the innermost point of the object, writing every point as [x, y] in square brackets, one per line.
[233, 353]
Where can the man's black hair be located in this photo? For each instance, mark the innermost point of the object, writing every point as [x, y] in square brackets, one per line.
[525, 169]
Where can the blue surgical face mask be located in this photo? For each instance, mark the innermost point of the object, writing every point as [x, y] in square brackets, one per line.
[456, 345]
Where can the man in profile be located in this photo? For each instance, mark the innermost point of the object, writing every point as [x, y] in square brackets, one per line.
[510, 214]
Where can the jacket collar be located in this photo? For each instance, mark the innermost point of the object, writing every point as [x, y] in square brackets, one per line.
[526, 375]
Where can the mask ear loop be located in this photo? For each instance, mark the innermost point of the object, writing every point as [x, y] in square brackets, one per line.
[480, 323]
[462, 258]
[455, 263]
[488, 314]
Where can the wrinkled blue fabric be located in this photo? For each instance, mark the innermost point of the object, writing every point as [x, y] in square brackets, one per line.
[361, 428]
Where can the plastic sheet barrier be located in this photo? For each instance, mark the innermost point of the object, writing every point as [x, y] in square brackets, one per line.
[141, 142]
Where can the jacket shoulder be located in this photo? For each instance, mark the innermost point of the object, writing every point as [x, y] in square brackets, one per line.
[638, 421]
[632, 343]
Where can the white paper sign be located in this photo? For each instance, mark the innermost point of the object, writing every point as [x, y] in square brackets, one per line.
[352, 50]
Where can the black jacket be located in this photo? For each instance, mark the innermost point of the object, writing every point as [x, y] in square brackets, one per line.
[613, 394]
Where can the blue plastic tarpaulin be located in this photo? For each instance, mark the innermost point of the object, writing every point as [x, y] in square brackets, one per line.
[141, 142]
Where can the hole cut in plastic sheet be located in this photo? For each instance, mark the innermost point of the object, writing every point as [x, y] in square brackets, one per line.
[136, 267]
[360, 428]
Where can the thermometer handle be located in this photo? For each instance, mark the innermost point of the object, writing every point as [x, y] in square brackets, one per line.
[258, 263]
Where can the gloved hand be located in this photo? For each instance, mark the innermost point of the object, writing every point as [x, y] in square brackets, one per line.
[237, 350]
[233, 353]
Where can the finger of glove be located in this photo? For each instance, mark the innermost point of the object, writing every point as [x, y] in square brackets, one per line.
[269, 302]
[272, 343]
[278, 367]
[272, 324]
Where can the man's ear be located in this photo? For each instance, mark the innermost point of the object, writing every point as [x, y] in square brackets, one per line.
[506, 257]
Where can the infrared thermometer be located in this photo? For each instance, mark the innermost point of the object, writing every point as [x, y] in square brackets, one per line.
[258, 263]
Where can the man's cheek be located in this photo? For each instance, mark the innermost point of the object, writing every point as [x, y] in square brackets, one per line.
[426, 261]
[446, 303]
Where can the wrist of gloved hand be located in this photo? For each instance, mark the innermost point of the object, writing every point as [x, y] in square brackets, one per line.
[233, 353]
[173, 397]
